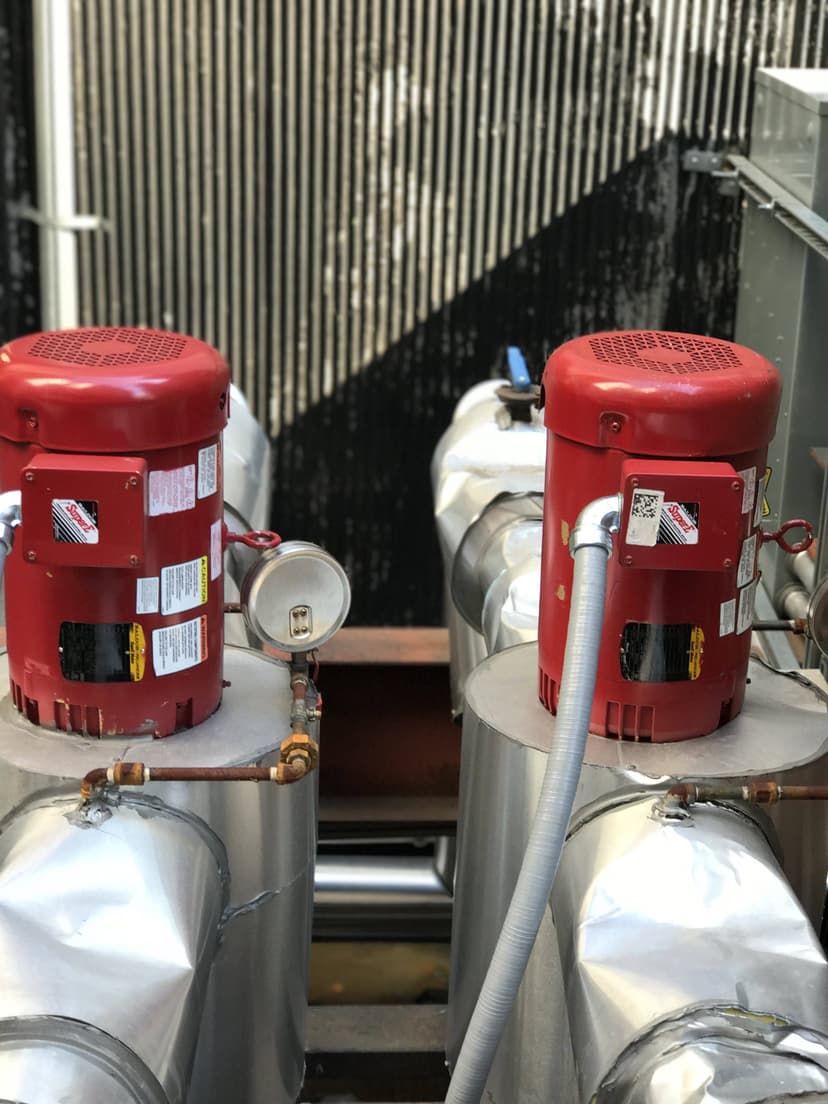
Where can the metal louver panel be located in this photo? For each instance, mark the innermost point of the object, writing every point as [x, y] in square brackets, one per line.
[360, 203]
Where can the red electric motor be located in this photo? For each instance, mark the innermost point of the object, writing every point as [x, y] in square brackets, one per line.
[679, 425]
[114, 589]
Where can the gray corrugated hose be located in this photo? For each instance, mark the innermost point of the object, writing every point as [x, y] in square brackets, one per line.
[591, 545]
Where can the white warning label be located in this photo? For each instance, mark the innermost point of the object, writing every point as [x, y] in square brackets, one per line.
[645, 517]
[215, 549]
[75, 521]
[747, 597]
[727, 617]
[749, 493]
[179, 647]
[146, 595]
[184, 586]
[207, 471]
[747, 561]
[170, 492]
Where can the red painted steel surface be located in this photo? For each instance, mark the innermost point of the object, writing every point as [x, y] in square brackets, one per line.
[674, 654]
[114, 588]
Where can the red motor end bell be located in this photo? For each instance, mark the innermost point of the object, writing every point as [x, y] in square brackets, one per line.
[114, 588]
[679, 425]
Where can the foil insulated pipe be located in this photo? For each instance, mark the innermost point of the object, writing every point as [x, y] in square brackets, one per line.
[480, 456]
[111, 917]
[591, 546]
[690, 968]
[495, 576]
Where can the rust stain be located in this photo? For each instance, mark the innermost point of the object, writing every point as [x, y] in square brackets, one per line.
[565, 533]
[560, 593]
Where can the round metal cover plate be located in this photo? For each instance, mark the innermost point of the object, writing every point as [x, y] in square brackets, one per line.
[295, 597]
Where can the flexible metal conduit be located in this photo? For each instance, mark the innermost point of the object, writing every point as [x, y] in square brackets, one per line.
[591, 546]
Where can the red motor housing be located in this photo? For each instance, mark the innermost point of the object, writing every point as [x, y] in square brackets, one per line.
[680, 426]
[114, 588]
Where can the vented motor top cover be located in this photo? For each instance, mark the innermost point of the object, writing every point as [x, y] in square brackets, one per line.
[114, 594]
[680, 425]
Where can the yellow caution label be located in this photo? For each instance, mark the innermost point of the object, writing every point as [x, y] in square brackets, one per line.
[205, 579]
[137, 652]
[695, 654]
[765, 504]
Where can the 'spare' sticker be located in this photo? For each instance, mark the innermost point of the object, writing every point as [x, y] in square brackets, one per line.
[75, 521]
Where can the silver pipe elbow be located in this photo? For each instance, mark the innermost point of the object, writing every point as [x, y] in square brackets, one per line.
[596, 524]
[9, 518]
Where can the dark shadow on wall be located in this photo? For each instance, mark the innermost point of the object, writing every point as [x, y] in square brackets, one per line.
[652, 247]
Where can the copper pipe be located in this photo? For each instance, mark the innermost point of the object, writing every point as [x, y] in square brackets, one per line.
[796, 625]
[762, 792]
[137, 774]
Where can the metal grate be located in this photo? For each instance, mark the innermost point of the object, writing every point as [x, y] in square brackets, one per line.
[676, 354]
[93, 347]
[361, 203]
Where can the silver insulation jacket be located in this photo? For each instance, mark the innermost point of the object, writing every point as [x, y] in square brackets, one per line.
[531, 897]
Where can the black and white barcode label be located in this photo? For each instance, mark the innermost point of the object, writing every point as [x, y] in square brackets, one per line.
[75, 521]
[645, 517]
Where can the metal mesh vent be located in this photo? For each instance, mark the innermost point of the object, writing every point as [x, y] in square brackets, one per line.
[676, 354]
[107, 346]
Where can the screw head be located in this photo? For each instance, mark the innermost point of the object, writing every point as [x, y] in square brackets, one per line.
[31, 421]
[615, 426]
[736, 485]
[31, 556]
[727, 563]
[627, 561]
[633, 482]
[133, 561]
[29, 477]
[133, 481]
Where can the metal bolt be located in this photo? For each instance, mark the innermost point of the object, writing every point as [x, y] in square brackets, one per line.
[29, 477]
[302, 611]
[727, 563]
[31, 556]
[133, 561]
[633, 482]
[628, 561]
[133, 481]
[32, 421]
[736, 485]
[615, 426]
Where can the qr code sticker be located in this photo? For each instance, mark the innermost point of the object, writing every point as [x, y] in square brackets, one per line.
[646, 505]
[645, 517]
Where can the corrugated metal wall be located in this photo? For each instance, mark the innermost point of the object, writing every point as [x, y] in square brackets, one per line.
[361, 202]
[19, 297]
